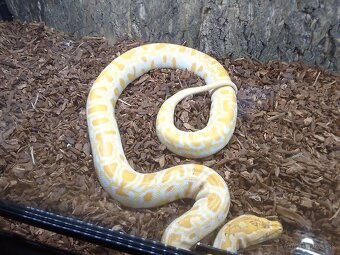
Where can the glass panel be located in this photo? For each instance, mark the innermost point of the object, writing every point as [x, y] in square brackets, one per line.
[281, 162]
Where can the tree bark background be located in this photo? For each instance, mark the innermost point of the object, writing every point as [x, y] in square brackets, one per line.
[289, 30]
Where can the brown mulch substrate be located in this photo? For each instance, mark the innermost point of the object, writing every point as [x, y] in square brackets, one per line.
[282, 162]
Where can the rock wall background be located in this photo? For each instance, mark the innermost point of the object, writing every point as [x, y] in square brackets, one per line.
[306, 30]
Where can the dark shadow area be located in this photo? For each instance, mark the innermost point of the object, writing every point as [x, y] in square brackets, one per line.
[5, 15]
[13, 244]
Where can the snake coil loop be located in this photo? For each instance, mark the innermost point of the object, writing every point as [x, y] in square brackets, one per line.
[137, 190]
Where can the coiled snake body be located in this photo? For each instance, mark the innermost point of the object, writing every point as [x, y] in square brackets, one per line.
[201, 183]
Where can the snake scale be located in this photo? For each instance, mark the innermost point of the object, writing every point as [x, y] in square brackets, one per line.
[137, 190]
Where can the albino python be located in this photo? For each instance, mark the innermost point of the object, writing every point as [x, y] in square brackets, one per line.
[201, 183]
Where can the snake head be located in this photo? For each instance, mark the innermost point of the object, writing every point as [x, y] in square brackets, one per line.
[246, 230]
[266, 228]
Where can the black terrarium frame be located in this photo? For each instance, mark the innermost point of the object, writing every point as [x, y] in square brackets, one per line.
[83, 231]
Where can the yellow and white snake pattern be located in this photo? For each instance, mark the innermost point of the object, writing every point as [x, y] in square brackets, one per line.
[201, 183]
